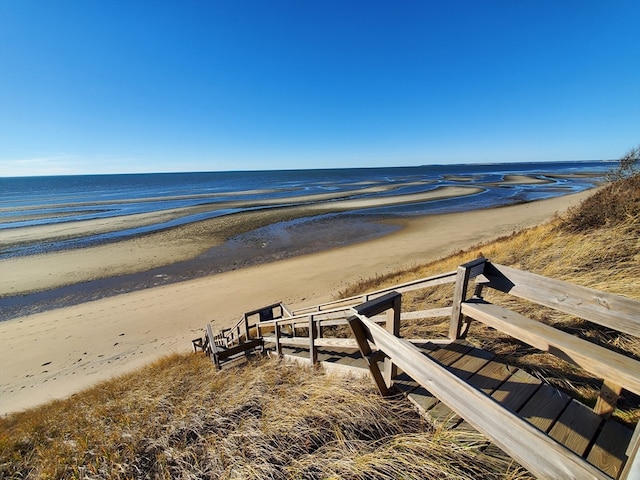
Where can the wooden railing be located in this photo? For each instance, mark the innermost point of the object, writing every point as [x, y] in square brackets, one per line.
[313, 320]
[421, 283]
[374, 320]
[540, 454]
[611, 311]
[534, 449]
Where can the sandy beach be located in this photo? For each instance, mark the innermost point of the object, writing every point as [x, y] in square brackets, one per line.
[50, 355]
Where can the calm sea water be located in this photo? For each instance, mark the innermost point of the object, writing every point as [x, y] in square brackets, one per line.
[59, 204]
[33, 201]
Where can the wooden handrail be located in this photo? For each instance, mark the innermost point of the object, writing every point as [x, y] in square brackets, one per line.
[606, 309]
[305, 317]
[303, 312]
[539, 453]
[426, 282]
[534, 449]
[267, 307]
[600, 361]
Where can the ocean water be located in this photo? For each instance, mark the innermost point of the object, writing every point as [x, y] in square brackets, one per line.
[64, 200]
[58, 209]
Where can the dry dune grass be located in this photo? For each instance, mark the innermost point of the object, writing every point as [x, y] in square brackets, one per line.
[179, 418]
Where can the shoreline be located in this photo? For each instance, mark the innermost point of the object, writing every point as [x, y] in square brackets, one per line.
[52, 354]
[264, 245]
[45, 271]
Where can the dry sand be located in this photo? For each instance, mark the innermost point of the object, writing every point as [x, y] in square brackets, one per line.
[53, 354]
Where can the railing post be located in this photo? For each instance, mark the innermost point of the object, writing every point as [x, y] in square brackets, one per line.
[393, 327]
[278, 345]
[606, 403]
[360, 334]
[392, 304]
[246, 328]
[464, 274]
[212, 346]
[313, 351]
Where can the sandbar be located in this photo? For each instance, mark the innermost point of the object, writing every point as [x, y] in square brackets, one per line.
[22, 275]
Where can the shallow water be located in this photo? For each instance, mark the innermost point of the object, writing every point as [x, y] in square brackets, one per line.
[267, 244]
[41, 201]
[27, 202]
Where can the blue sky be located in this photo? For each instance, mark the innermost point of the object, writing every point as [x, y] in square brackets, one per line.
[112, 86]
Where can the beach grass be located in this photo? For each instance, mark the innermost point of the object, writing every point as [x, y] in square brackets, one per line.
[179, 418]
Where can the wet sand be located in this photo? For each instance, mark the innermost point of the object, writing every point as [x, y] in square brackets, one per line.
[55, 353]
[51, 270]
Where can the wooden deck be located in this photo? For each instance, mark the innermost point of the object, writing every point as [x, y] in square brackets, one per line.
[600, 442]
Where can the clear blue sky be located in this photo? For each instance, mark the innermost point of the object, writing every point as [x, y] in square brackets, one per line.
[110, 86]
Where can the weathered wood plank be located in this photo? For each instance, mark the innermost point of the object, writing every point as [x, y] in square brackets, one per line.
[463, 276]
[421, 283]
[363, 344]
[451, 352]
[433, 313]
[377, 305]
[212, 347]
[286, 310]
[436, 280]
[277, 336]
[491, 376]
[576, 427]
[313, 351]
[545, 407]
[522, 441]
[443, 416]
[337, 342]
[394, 308]
[261, 309]
[607, 309]
[472, 361]
[422, 399]
[319, 342]
[600, 361]
[440, 351]
[608, 452]
[241, 348]
[246, 328]
[405, 383]
[517, 390]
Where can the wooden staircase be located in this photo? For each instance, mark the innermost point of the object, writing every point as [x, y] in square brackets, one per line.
[455, 383]
[222, 352]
